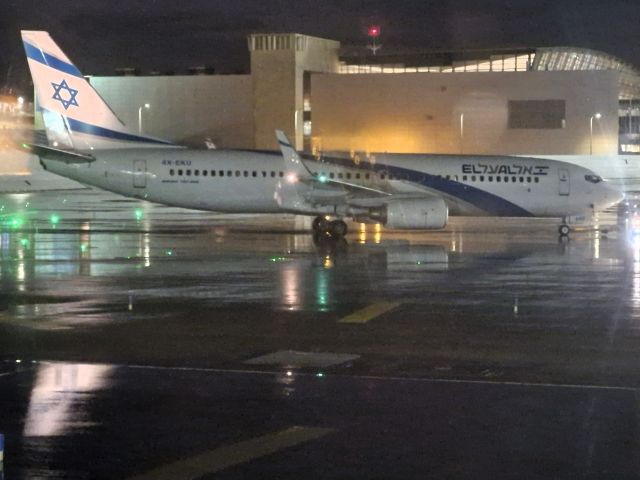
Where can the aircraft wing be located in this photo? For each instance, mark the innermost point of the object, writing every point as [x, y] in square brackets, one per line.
[305, 191]
[56, 154]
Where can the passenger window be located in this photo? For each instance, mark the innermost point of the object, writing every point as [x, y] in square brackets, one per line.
[506, 179]
[171, 172]
[196, 172]
[213, 173]
[339, 175]
[205, 172]
[246, 174]
[473, 178]
[237, 173]
[348, 176]
[536, 180]
[221, 173]
[448, 177]
[464, 178]
[521, 179]
[254, 174]
[281, 174]
[264, 174]
[331, 175]
[498, 179]
[188, 172]
[490, 178]
[358, 176]
[229, 173]
[482, 178]
[366, 176]
[273, 174]
[382, 176]
[513, 179]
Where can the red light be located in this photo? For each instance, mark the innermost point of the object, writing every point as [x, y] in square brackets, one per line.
[374, 31]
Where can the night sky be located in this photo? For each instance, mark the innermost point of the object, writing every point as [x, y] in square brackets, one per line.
[172, 35]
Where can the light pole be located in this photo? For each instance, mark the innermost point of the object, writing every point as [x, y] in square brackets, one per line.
[147, 106]
[597, 116]
[461, 132]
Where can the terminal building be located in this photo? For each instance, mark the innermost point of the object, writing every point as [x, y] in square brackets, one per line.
[327, 97]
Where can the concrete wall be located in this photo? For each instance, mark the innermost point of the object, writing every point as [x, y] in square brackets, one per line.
[420, 112]
[185, 108]
[277, 75]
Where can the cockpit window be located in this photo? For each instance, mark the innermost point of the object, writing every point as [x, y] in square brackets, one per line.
[593, 178]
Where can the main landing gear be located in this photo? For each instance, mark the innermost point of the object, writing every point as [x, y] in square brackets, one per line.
[329, 228]
[564, 229]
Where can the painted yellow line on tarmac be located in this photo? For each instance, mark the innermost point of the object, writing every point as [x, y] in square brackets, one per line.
[215, 460]
[368, 313]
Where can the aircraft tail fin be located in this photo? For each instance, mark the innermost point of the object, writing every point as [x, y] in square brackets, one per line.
[74, 114]
[293, 162]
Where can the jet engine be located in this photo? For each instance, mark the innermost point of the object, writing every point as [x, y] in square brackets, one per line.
[419, 214]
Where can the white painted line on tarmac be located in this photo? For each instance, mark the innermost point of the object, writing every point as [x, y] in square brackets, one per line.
[395, 379]
[224, 457]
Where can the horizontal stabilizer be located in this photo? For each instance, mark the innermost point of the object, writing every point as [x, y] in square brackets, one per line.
[58, 155]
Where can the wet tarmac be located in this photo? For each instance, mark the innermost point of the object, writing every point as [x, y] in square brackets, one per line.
[139, 341]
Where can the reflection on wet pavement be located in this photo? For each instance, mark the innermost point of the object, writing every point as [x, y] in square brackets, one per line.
[491, 343]
[61, 396]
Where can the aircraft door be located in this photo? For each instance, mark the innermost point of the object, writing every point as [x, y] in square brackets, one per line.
[563, 178]
[140, 173]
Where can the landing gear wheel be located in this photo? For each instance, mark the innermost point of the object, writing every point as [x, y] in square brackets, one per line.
[320, 225]
[338, 228]
[564, 230]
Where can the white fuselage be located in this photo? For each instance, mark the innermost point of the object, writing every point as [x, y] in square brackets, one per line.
[245, 181]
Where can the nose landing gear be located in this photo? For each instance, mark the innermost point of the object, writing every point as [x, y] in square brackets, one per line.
[564, 230]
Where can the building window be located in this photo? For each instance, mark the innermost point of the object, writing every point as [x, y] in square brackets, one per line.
[536, 114]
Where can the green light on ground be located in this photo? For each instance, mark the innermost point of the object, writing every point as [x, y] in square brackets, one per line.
[54, 219]
[14, 222]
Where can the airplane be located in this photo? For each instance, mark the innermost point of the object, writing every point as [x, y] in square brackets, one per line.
[89, 144]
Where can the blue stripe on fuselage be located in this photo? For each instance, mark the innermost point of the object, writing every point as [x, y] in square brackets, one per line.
[38, 55]
[82, 127]
[489, 202]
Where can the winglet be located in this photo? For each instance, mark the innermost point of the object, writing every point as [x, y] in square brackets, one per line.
[293, 162]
